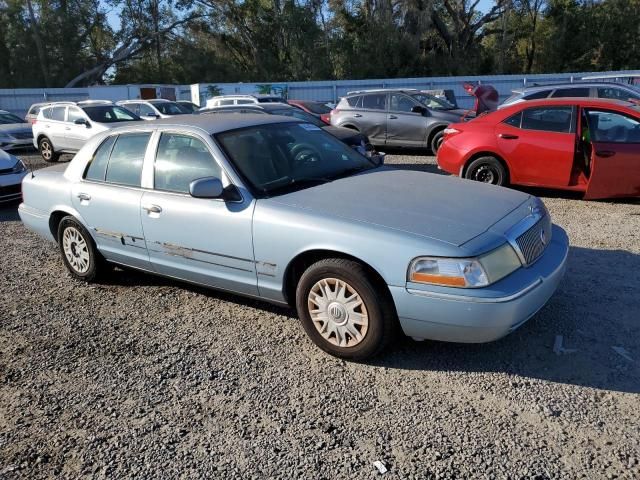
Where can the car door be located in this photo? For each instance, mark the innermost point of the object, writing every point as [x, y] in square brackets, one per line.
[76, 134]
[55, 126]
[539, 144]
[615, 154]
[404, 127]
[372, 116]
[207, 241]
[109, 195]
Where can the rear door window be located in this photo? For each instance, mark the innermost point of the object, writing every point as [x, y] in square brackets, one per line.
[46, 113]
[244, 102]
[127, 156]
[377, 101]
[98, 165]
[548, 119]
[537, 95]
[353, 101]
[514, 120]
[616, 93]
[57, 113]
[226, 102]
[571, 92]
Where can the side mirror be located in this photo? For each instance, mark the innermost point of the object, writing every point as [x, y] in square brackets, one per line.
[152, 116]
[418, 109]
[82, 121]
[208, 187]
[378, 158]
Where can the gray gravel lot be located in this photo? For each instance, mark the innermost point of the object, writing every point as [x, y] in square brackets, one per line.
[144, 377]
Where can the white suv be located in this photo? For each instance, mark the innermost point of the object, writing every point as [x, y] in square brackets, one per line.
[64, 127]
[226, 100]
[154, 109]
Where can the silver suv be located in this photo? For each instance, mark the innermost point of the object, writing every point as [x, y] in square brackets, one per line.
[226, 100]
[403, 118]
[617, 91]
[64, 127]
[154, 109]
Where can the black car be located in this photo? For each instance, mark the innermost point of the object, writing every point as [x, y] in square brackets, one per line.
[402, 118]
[349, 136]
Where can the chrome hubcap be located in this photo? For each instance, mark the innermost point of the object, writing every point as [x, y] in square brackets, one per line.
[338, 312]
[46, 149]
[75, 249]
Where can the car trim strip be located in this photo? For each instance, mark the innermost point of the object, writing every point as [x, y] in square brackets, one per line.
[172, 254]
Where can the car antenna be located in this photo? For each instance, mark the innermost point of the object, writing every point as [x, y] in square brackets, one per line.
[29, 167]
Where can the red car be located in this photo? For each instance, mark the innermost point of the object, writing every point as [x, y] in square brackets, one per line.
[317, 109]
[581, 144]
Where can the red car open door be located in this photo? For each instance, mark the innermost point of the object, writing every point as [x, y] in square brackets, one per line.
[615, 155]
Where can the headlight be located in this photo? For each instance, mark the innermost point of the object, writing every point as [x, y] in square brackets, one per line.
[19, 167]
[465, 272]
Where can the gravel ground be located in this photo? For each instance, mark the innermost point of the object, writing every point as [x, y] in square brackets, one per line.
[144, 377]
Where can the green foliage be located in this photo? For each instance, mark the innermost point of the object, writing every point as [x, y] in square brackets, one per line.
[189, 41]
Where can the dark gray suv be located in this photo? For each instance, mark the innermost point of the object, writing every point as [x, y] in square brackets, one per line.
[402, 118]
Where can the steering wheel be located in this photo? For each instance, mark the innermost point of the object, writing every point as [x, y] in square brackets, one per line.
[305, 154]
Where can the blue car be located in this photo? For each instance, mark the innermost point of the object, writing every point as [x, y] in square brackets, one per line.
[277, 209]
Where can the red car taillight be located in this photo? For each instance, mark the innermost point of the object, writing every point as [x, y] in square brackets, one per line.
[325, 118]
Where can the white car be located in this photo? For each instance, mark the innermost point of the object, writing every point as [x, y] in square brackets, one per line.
[154, 109]
[64, 127]
[226, 100]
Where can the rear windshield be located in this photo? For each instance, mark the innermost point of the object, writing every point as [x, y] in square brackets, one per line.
[170, 108]
[6, 118]
[296, 113]
[318, 108]
[269, 100]
[110, 114]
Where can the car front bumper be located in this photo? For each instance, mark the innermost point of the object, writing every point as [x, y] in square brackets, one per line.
[483, 315]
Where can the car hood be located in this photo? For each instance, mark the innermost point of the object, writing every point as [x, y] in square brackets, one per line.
[15, 128]
[7, 161]
[446, 209]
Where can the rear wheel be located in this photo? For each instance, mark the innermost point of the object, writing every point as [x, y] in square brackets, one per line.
[46, 150]
[487, 170]
[436, 141]
[343, 311]
[79, 253]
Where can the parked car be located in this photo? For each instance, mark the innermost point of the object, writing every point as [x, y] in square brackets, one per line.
[232, 202]
[154, 109]
[317, 109]
[615, 91]
[64, 127]
[14, 131]
[347, 135]
[403, 118]
[581, 144]
[12, 171]
[33, 111]
[225, 100]
[188, 106]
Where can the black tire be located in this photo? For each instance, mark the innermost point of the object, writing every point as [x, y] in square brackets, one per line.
[436, 141]
[376, 300]
[95, 264]
[487, 170]
[47, 152]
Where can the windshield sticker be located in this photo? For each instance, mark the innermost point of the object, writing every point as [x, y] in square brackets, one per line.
[309, 126]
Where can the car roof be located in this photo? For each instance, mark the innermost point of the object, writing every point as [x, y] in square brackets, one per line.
[157, 100]
[211, 123]
[551, 86]
[267, 107]
[581, 101]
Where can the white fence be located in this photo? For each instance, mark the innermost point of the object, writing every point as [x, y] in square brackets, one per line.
[18, 100]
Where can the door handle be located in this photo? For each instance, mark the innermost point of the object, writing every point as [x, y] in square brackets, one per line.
[605, 153]
[152, 208]
[84, 196]
[357, 115]
[67, 128]
[508, 136]
[392, 117]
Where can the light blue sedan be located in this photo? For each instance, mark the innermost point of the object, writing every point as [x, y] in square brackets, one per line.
[276, 209]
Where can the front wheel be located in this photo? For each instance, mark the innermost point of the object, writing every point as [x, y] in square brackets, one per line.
[46, 150]
[487, 170]
[79, 253]
[343, 311]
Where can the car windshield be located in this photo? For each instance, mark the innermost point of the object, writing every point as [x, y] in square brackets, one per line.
[432, 102]
[170, 108]
[8, 118]
[318, 108]
[283, 157]
[294, 112]
[109, 114]
[189, 107]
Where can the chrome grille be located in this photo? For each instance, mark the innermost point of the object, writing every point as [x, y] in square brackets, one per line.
[533, 242]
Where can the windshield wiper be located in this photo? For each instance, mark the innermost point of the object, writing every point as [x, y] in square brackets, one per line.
[296, 182]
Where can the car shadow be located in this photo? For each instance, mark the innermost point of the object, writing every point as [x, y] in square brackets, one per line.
[9, 212]
[595, 309]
